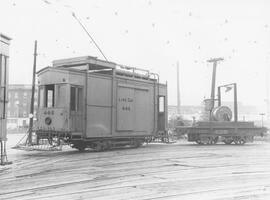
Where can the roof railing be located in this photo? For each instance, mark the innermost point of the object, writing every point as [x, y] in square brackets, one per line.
[134, 72]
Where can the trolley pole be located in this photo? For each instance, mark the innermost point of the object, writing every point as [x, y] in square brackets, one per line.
[33, 96]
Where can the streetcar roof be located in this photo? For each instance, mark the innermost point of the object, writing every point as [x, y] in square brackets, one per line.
[84, 63]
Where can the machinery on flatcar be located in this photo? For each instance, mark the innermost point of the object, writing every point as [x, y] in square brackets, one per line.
[217, 124]
[91, 103]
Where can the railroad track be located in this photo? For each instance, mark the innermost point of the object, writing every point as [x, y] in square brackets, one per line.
[151, 172]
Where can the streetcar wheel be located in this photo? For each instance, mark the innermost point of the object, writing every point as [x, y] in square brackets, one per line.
[137, 143]
[98, 146]
[228, 140]
[108, 145]
[80, 148]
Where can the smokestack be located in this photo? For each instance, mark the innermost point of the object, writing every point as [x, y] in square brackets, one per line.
[178, 91]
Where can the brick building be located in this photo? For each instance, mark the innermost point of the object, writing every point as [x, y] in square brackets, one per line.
[19, 100]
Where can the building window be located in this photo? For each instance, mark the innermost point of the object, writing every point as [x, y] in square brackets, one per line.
[161, 105]
[16, 103]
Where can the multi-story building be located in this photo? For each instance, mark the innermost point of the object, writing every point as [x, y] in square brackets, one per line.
[4, 66]
[18, 108]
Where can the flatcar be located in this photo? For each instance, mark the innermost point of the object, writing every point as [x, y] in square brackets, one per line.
[216, 121]
[220, 126]
[91, 103]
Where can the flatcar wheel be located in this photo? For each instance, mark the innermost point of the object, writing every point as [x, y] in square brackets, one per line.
[199, 142]
[213, 140]
[208, 141]
[242, 141]
[235, 141]
[149, 139]
[165, 139]
[239, 141]
[226, 141]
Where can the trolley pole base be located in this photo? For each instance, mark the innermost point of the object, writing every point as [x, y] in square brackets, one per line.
[3, 154]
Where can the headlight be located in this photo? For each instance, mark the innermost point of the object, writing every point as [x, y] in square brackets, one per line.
[48, 120]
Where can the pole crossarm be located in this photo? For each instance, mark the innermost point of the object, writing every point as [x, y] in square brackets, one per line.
[215, 59]
[226, 85]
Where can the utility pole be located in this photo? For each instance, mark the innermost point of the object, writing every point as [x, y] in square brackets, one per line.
[262, 114]
[178, 91]
[213, 85]
[33, 96]
[267, 100]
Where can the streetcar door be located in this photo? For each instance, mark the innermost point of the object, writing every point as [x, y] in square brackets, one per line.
[161, 113]
[76, 108]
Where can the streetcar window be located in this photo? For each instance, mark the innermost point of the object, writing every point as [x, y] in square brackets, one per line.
[76, 99]
[60, 98]
[80, 99]
[49, 98]
[161, 105]
[73, 98]
[41, 96]
[3, 70]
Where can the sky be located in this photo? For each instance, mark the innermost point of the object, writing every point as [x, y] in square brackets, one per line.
[150, 34]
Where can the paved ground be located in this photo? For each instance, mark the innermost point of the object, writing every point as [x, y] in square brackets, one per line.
[154, 171]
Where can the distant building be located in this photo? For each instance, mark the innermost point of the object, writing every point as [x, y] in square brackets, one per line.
[188, 112]
[4, 68]
[18, 108]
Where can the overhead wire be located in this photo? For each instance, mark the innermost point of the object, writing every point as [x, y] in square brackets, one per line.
[84, 28]
[73, 14]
